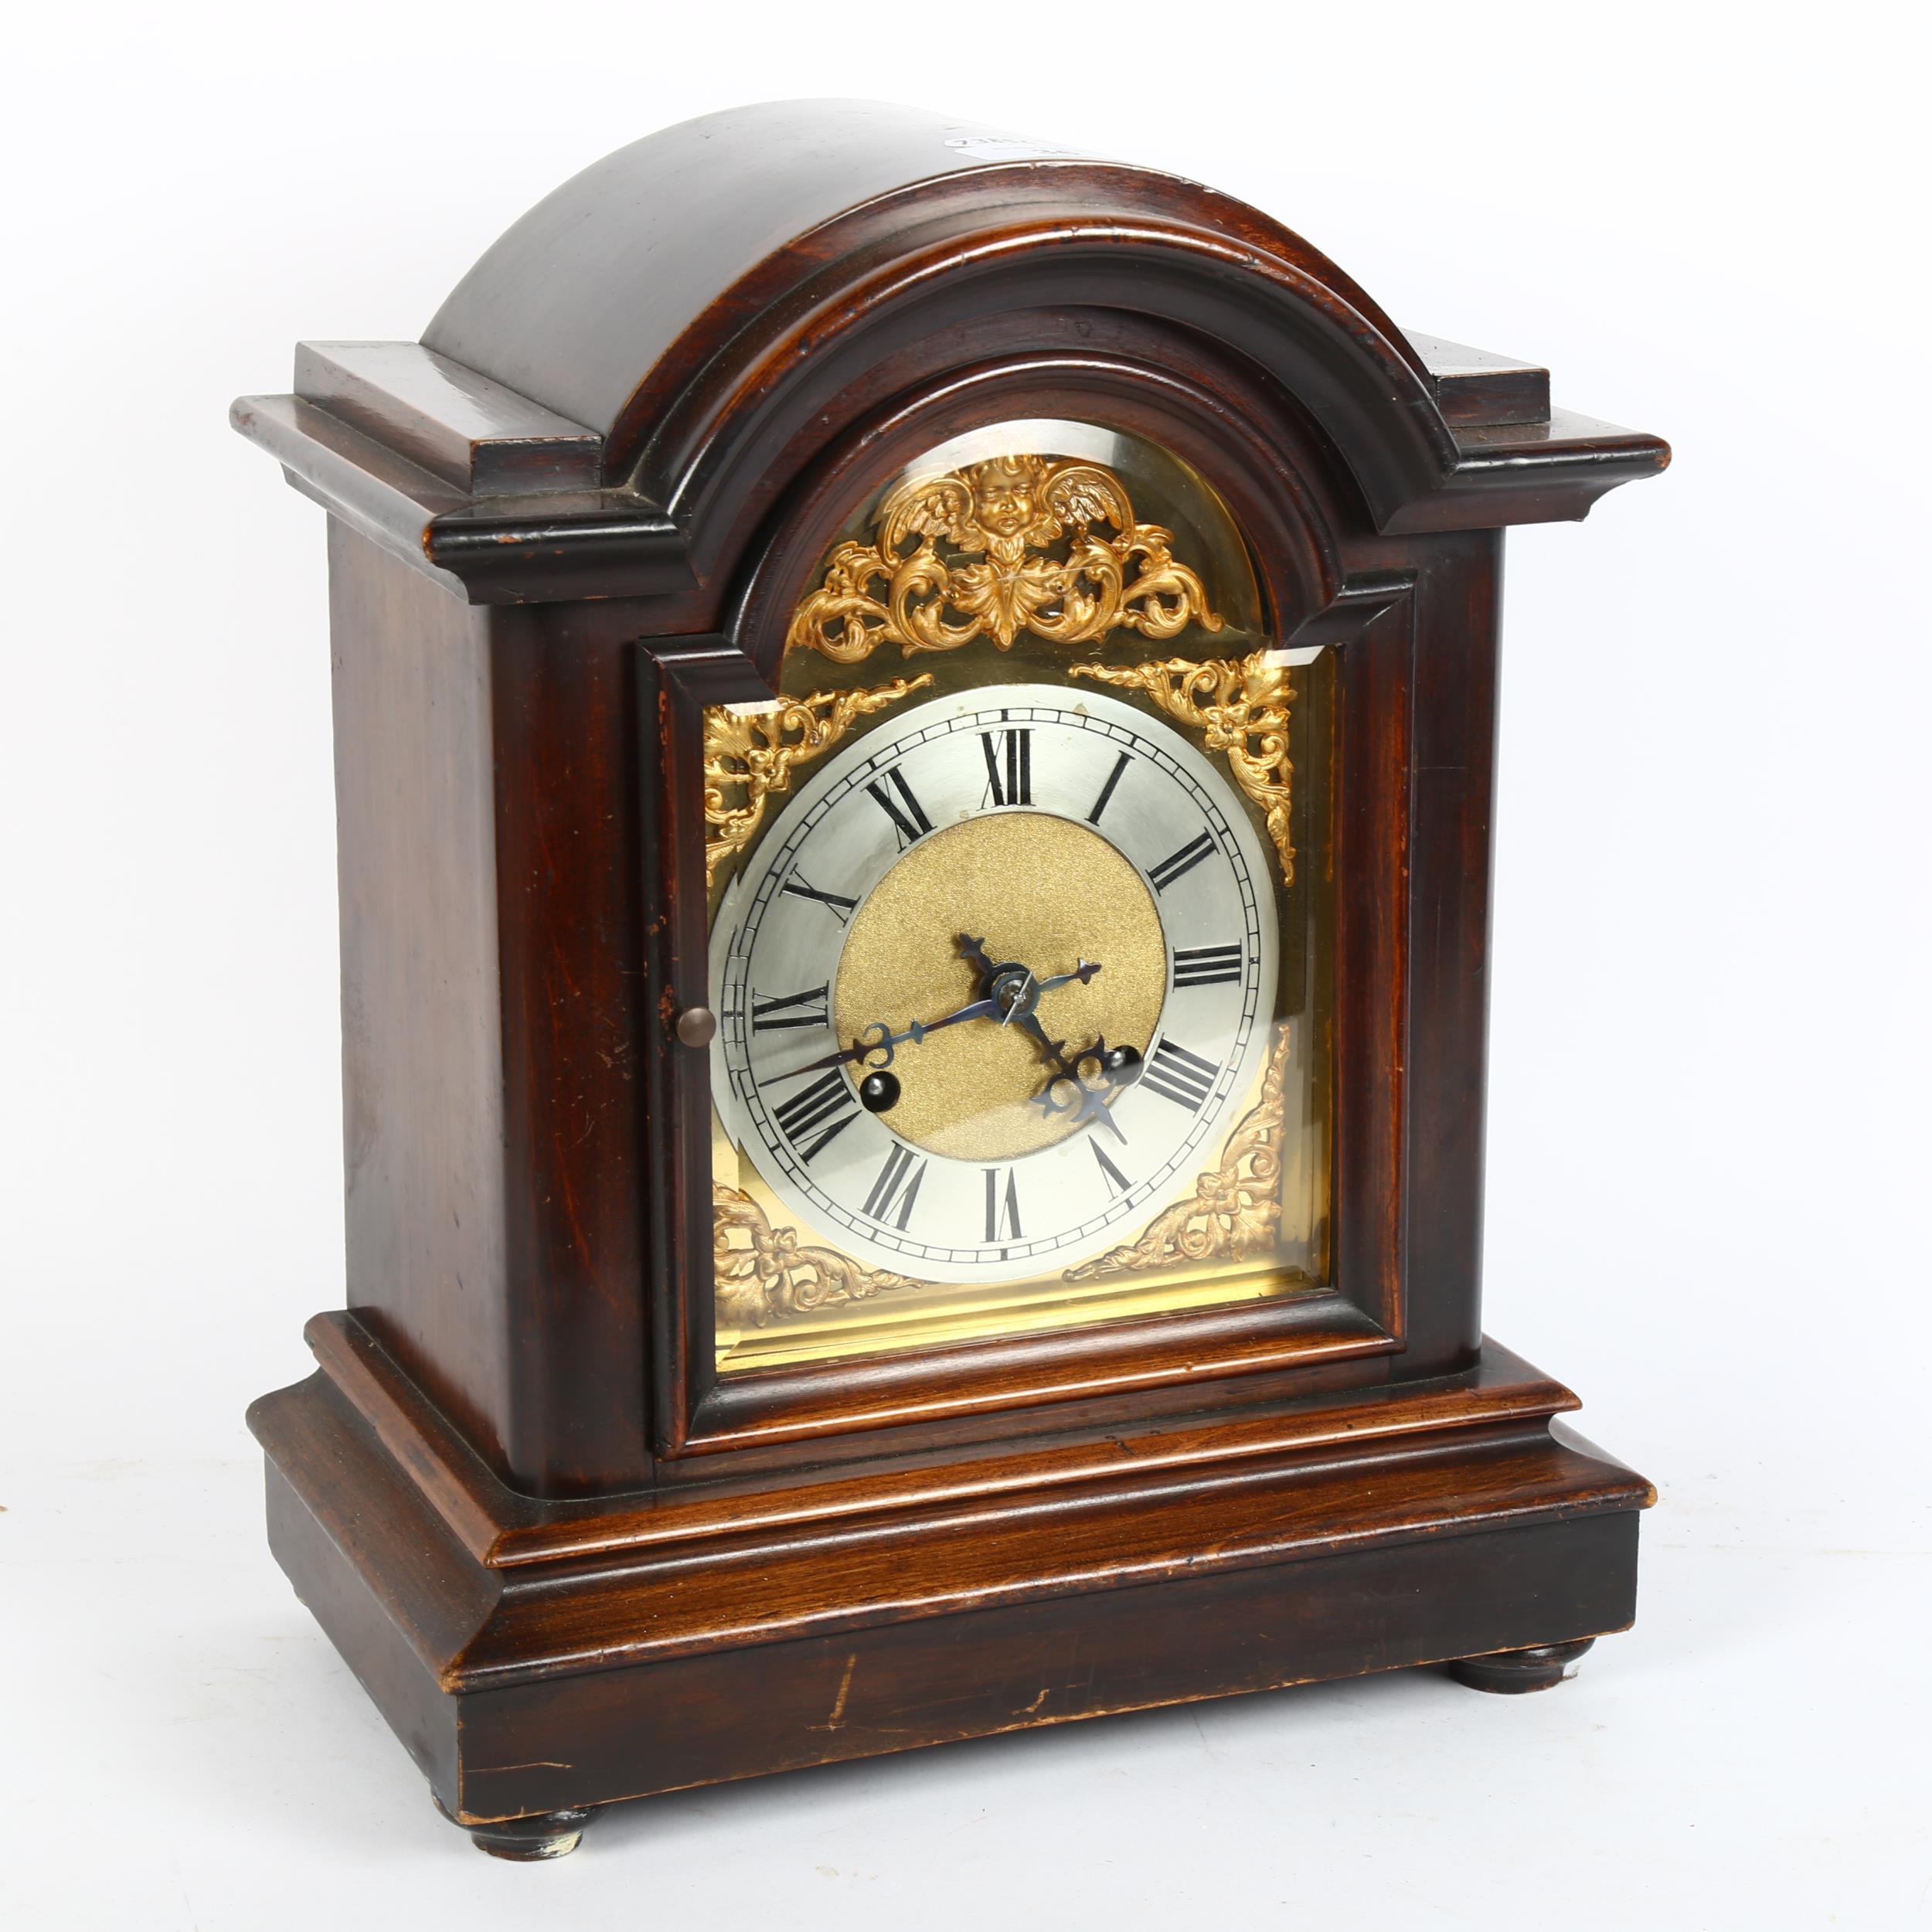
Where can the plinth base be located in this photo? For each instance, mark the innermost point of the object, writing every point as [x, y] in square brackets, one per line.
[539, 1659]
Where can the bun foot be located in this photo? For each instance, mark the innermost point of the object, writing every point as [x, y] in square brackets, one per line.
[547, 1835]
[1512, 1672]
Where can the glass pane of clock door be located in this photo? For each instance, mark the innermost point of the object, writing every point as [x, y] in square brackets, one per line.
[1020, 918]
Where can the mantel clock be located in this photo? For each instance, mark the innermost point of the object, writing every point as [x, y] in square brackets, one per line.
[914, 723]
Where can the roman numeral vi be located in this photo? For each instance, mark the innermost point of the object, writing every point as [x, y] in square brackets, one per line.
[1002, 1212]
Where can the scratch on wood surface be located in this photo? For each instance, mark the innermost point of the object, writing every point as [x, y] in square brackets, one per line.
[1037, 1702]
[534, 1764]
[844, 1690]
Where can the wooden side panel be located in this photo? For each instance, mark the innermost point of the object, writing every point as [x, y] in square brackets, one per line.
[704, 1719]
[563, 734]
[1453, 788]
[422, 1065]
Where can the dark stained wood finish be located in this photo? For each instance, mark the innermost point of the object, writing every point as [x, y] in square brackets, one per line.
[1474, 386]
[489, 937]
[423, 1115]
[577, 1682]
[568, 1563]
[649, 300]
[484, 438]
[1073, 1444]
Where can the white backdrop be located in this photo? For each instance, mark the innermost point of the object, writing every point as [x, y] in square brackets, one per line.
[1707, 1149]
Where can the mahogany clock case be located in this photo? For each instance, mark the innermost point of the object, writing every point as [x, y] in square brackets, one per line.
[569, 1561]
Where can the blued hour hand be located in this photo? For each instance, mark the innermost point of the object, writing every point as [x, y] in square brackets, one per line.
[1068, 1088]
[974, 952]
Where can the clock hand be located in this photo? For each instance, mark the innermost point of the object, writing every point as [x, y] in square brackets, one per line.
[1120, 1067]
[866, 1045]
[1000, 982]
[1091, 1106]
[880, 1037]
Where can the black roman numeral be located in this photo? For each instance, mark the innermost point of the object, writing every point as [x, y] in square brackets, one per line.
[824, 1109]
[1002, 1215]
[897, 1185]
[1175, 863]
[1181, 1077]
[1106, 789]
[1009, 767]
[1116, 1180]
[842, 908]
[792, 1010]
[1206, 965]
[908, 815]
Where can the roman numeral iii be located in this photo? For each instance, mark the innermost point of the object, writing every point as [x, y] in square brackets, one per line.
[824, 1110]
[1175, 863]
[792, 1009]
[1179, 1076]
[1206, 965]
[1009, 767]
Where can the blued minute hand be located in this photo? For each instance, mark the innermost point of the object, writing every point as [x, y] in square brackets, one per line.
[880, 1037]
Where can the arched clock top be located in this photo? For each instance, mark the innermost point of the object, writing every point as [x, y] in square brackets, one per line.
[618, 395]
[695, 273]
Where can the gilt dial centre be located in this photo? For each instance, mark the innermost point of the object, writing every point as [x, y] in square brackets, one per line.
[1046, 894]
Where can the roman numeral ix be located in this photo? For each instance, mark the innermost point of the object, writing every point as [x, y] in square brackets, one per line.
[792, 1010]
[1206, 965]
[1179, 1076]
[824, 1110]
[1009, 767]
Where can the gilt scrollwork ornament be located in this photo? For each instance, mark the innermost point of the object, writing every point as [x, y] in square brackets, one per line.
[765, 1273]
[754, 753]
[1236, 1210]
[967, 555]
[1240, 707]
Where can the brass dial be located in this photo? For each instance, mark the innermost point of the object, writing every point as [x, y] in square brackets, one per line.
[916, 972]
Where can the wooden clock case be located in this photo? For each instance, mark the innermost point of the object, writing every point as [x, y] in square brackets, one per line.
[568, 1563]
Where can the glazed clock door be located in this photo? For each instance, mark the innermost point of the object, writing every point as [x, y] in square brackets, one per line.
[962, 1033]
[1018, 933]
